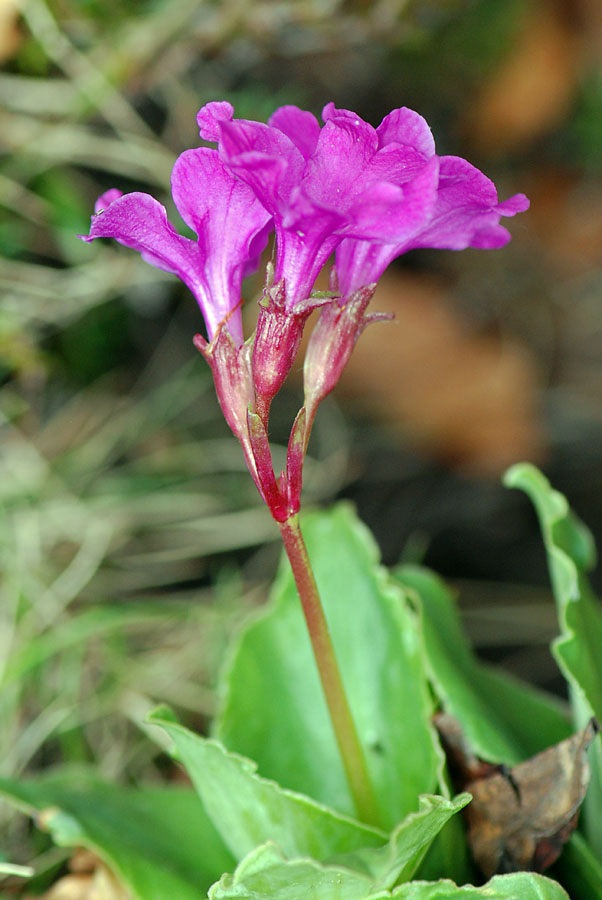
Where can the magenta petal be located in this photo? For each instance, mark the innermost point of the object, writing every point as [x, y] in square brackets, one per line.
[390, 214]
[359, 263]
[221, 209]
[106, 199]
[344, 150]
[300, 126]
[513, 205]
[196, 184]
[242, 136]
[267, 176]
[299, 260]
[229, 220]
[210, 117]
[256, 247]
[264, 157]
[305, 216]
[331, 112]
[490, 237]
[464, 212]
[396, 163]
[378, 191]
[467, 212]
[404, 126]
[139, 221]
[362, 262]
[376, 213]
[462, 184]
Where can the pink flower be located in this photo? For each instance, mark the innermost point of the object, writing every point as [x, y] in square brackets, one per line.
[232, 228]
[346, 179]
[368, 194]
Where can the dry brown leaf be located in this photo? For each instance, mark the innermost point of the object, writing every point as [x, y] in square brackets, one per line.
[91, 880]
[520, 818]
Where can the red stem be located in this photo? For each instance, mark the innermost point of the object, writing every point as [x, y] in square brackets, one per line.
[332, 684]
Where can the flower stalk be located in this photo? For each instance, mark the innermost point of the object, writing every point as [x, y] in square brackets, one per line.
[346, 735]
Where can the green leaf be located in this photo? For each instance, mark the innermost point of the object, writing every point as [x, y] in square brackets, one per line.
[158, 841]
[273, 709]
[571, 554]
[518, 886]
[503, 720]
[448, 856]
[579, 870]
[266, 874]
[248, 810]
[577, 650]
[409, 841]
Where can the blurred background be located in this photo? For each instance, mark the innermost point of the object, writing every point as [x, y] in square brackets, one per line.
[132, 539]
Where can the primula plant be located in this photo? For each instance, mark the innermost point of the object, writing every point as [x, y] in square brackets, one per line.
[351, 706]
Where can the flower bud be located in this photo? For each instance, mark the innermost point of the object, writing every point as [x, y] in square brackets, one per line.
[331, 343]
[277, 339]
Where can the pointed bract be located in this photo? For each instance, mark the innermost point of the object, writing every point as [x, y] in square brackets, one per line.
[295, 455]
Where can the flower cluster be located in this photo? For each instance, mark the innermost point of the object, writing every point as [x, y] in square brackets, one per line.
[364, 194]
